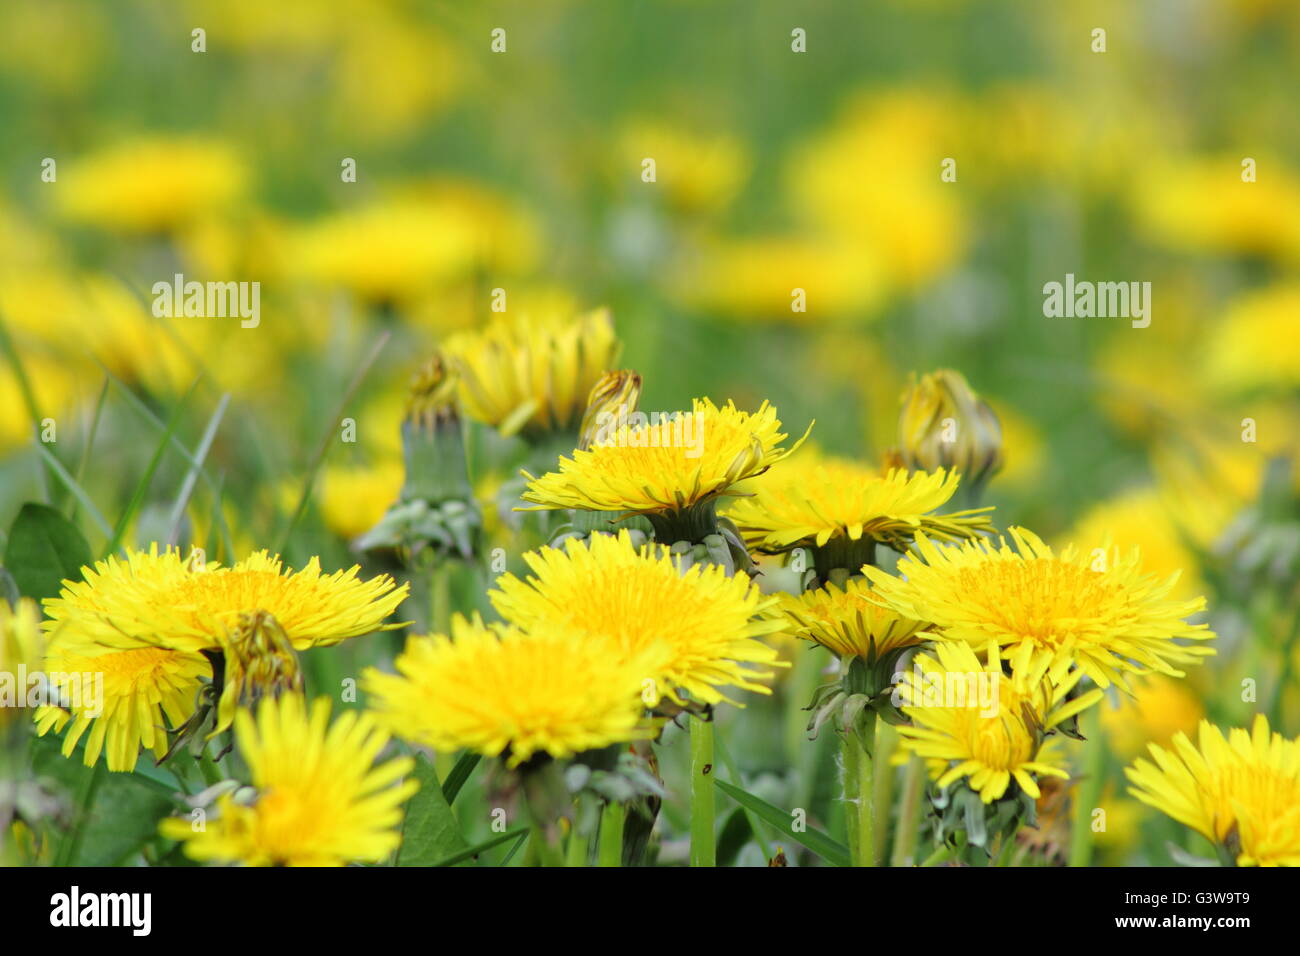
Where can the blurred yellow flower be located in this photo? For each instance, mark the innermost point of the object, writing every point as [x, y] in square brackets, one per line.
[1154, 711]
[1255, 345]
[152, 184]
[353, 499]
[696, 172]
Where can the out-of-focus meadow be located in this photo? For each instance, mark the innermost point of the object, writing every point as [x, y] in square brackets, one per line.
[775, 170]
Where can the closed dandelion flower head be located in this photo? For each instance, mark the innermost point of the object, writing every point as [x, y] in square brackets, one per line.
[848, 622]
[808, 501]
[694, 633]
[503, 692]
[972, 722]
[668, 466]
[532, 373]
[1050, 612]
[320, 799]
[120, 701]
[21, 646]
[1242, 791]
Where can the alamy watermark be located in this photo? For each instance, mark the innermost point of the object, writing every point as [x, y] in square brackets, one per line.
[972, 689]
[208, 299]
[1103, 300]
[79, 691]
[625, 429]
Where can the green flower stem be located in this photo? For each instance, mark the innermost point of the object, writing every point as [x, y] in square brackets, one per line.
[941, 855]
[440, 598]
[703, 811]
[612, 818]
[576, 854]
[860, 795]
[909, 813]
[883, 794]
[1088, 793]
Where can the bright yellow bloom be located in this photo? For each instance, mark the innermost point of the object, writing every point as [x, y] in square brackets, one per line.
[352, 500]
[693, 633]
[848, 622]
[153, 185]
[144, 692]
[970, 720]
[1241, 792]
[808, 501]
[666, 466]
[697, 172]
[533, 372]
[1052, 612]
[320, 800]
[506, 692]
[1255, 345]
[158, 600]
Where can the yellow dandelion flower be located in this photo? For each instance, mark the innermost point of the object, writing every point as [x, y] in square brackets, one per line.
[694, 632]
[506, 692]
[158, 600]
[808, 501]
[126, 699]
[1241, 792]
[971, 721]
[153, 184]
[665, 467]
[1096, 612]
[848, 622]
[1255, 345]
[320, 799]
[533, 372]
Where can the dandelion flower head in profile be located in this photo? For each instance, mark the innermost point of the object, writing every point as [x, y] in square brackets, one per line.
[149, 622]
[1049, 611]
[848, 622]
[665, 467]
[503, 692]
[973, 722]
[696, 633]
[1240, 791]
[320, 798]
[531, 373]
[808, 500]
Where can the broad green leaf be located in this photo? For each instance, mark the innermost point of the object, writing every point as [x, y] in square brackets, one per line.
[828, 849]
[44, 549]
[430, 832]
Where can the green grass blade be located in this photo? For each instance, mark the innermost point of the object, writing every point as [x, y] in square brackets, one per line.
[78, 493]
[196, 467]
[471, 852]
[459, 774]
[836, 854]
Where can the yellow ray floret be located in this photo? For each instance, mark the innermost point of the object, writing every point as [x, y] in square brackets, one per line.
[125, 699]
[533, 372]
[320, 799]
[971, 721]
[807, 501]
[501, 691]
[665, 466]
[1241, 791]
[1049, 611]
[694, 633]
[159, 600]
[848, 621]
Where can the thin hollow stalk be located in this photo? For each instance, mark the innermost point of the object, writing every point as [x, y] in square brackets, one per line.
[909, 813]
[703, 845]
[612, 818]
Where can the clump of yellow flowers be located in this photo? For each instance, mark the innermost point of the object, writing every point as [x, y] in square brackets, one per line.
[970, 662]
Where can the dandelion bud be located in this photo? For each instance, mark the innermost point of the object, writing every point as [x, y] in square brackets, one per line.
[944, 424]
[612, 398]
